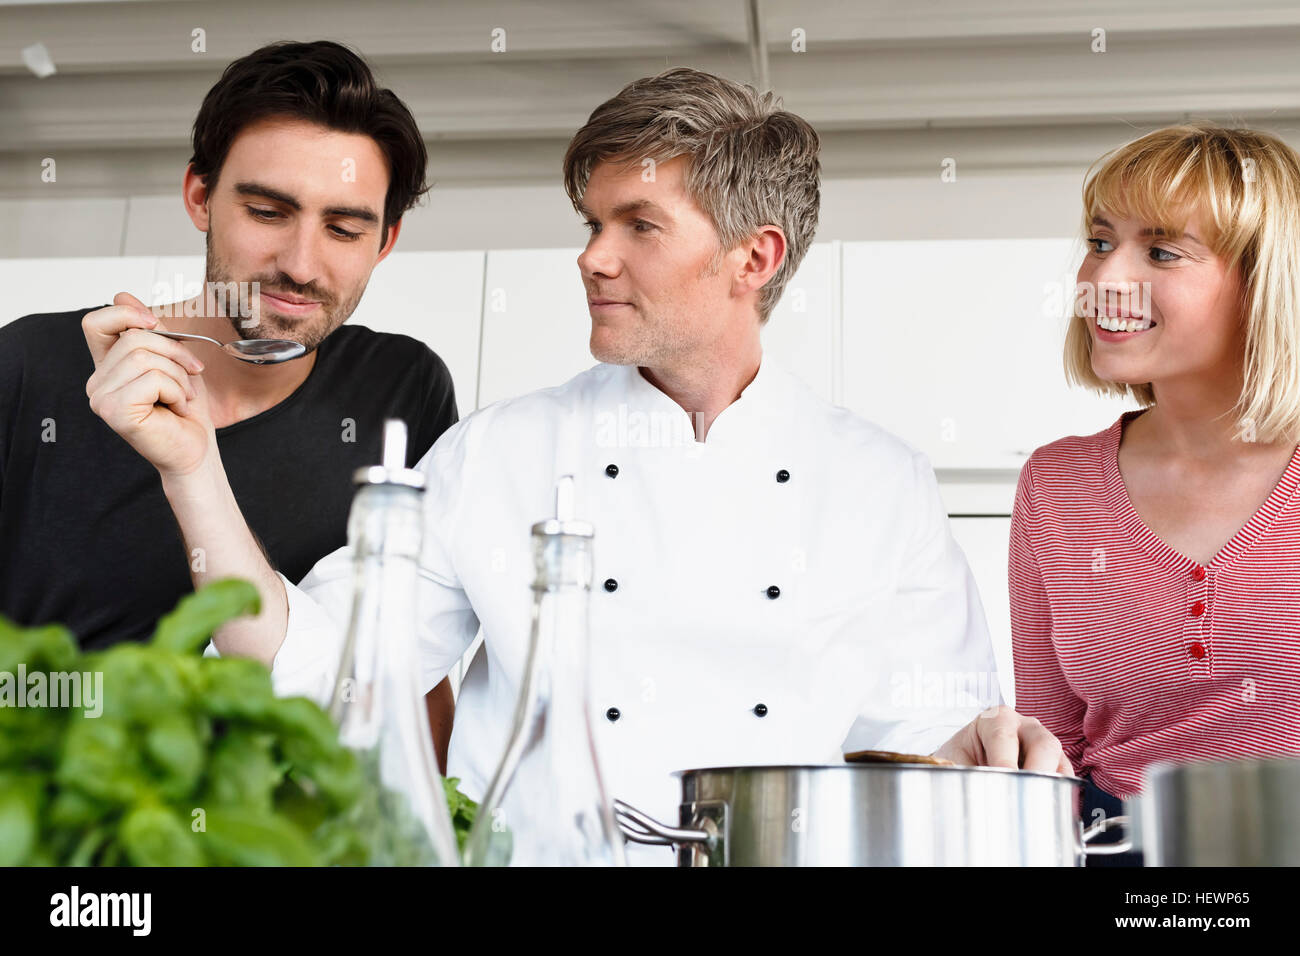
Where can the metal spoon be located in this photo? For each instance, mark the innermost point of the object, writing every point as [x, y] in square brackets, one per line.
[257, 351]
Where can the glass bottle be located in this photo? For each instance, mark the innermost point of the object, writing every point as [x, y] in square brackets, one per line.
[377, 704]
[546, 804]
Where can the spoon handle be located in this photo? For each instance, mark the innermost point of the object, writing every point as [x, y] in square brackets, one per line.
[187, 335]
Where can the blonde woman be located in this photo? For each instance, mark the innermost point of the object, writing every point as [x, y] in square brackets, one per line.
[1155, 566]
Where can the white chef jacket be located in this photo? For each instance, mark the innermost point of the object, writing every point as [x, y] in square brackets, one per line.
[798, 559]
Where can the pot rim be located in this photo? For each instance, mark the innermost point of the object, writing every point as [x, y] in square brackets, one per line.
[1164, 768]
[870, 767]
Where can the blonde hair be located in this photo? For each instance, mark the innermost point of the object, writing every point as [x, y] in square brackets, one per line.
[1246, 185]
[751, 163]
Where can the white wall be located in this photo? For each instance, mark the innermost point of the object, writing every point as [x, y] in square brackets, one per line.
[1005, 205]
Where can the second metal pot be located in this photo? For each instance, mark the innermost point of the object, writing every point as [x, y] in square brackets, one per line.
[1220, 813]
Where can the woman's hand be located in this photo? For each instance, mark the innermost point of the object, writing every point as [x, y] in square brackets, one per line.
[1000, 737]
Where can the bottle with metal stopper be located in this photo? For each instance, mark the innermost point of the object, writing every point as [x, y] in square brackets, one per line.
[546, 804]
[378, 704]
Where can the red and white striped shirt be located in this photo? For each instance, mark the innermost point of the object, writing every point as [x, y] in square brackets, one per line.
[1132, 653]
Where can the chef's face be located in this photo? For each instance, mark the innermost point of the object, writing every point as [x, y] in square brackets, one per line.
[298, 209]
[657, 283]
[1186, 294]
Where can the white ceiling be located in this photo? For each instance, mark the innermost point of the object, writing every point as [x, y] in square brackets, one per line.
[893, 86]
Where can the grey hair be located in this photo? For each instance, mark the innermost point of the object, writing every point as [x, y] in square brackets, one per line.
[751, 163]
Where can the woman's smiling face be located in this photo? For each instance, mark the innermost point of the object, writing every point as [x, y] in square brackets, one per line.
[1182, 299]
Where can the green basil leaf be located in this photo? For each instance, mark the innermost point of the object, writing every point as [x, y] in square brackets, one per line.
[154, 836]
[173, 746]
[241, 837]
[235, 688]
[19, 811]
[242, 771]
[102, 758]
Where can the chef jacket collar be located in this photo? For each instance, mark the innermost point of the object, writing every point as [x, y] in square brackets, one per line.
[749, 418]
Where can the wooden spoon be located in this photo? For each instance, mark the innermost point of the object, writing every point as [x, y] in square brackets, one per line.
[888, 756]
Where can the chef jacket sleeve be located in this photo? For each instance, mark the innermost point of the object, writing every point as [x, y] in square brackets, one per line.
[319, 605]
[933, 668]
[1041, 688]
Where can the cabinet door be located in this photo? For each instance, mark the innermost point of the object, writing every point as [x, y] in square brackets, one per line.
[955, 345]
[64, 284]
[176, 278]
[800, 333]
[435, 297]
[984, 540]
[535, 323]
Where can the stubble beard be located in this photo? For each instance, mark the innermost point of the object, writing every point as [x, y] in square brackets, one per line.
[264, 324]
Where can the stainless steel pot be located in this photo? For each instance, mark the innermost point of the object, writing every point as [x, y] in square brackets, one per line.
[873, 815]
[1220, 813]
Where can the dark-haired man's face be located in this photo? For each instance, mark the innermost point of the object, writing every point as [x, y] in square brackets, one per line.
[298, 209]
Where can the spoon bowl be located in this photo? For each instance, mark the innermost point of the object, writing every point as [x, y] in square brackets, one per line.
[256, 351]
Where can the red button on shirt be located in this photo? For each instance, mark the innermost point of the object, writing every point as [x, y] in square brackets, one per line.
[1197, 651]
[1198, 574]
[1198, 609]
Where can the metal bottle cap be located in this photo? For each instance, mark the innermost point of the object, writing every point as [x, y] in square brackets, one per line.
[393, 471]
[564, 522]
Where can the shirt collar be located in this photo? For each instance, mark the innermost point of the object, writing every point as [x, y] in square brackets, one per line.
[750, 416]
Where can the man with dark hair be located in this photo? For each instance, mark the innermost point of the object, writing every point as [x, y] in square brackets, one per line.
[302, 169]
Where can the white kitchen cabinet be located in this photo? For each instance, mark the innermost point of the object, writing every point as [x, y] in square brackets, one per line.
[535, 322]
[176, 278]
[955, 345]
[802, 331]
[64, 284]
[78, 226]
[985, 539]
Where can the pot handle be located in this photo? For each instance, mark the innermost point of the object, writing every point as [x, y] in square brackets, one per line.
[643, 828]
[1107, 849]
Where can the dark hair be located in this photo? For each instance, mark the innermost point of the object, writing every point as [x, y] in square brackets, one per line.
[323, 82]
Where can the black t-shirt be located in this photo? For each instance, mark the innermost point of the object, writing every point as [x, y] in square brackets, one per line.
[87, 538]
